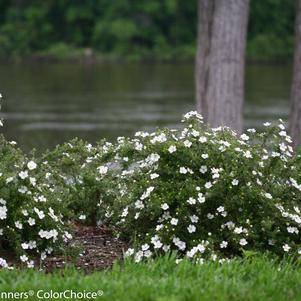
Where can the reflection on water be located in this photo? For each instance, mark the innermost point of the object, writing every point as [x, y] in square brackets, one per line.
[46, 104]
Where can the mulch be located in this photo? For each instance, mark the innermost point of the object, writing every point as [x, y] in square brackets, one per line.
[99, 249]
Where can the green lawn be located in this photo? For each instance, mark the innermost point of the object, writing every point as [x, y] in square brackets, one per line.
[246, 279]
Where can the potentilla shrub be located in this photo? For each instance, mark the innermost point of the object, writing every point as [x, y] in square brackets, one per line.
[31, 212]
[32, 223]
[208, 193]
[77, 169]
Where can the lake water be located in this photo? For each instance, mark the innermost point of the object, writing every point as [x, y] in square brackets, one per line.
[46, 104]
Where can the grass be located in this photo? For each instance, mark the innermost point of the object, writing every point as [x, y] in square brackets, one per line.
[256, 278]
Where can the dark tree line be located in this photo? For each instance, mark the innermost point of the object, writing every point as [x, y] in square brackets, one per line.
[163, 29]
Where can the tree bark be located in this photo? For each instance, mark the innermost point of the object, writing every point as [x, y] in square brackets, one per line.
[220, 61]
[295, 110]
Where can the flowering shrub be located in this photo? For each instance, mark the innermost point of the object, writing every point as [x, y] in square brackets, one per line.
[31, 210]
[78, 169]
[31, 220]
[208, 193]
[205, 193]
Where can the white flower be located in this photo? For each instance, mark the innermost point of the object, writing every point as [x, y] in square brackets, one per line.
[194, 218]
[191, 201]
[208, 185]
[174, 221]
[33, 181]
[43, 256]
[154, 176]
[48, 234]
[102, 170]
[244, 137]
[30, 264]
[24, 258]
[42, 199]
[23, 174]
[195, 133]
[223, 244]
[210, 216]
[238, 230]
[201, 248]
[31, 165]
[248, 154]
[145, 247]
[292, 230]
[139, 204]
[40, 213]
[159, 227]
[203, 169]
[24, 246]
[191, 228]
[138, 146]
[31, 221]
[172, 149]
[129, 252]
[205, 156]
[235, 182]
[147, 193]
[164, 206]
[202, 139]
[201, 198]
[125, 212]
[138, 256]
[3, 263]
[215, 173]
[243, 242]
[82, 217]
[166, 248]
[268, 195]
[3, 212]
[160, 138]
[10, 179]
[25, 212]
[187, 143]
[183, 170]
[266, 124]
[286, 247]
[18, 225]
[157, 244]
[152, 158]
[180, 244]
[23, 189]
[220, 209]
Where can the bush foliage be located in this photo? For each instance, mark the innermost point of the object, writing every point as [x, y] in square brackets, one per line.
[204, 193]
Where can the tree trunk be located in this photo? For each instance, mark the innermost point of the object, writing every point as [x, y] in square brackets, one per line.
[220, 60]
[295, 111]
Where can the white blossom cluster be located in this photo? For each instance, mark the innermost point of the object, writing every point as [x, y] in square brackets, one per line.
[204, 193]
[209, 193]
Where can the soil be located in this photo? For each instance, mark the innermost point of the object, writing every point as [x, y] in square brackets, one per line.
[98, 250]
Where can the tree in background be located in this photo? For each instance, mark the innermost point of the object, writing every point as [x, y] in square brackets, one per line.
[220, 60]
[295, 111]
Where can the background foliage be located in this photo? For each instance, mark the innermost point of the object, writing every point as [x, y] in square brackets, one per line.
[135, 29]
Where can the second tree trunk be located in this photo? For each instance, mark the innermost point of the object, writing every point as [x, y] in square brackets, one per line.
[220, 60]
